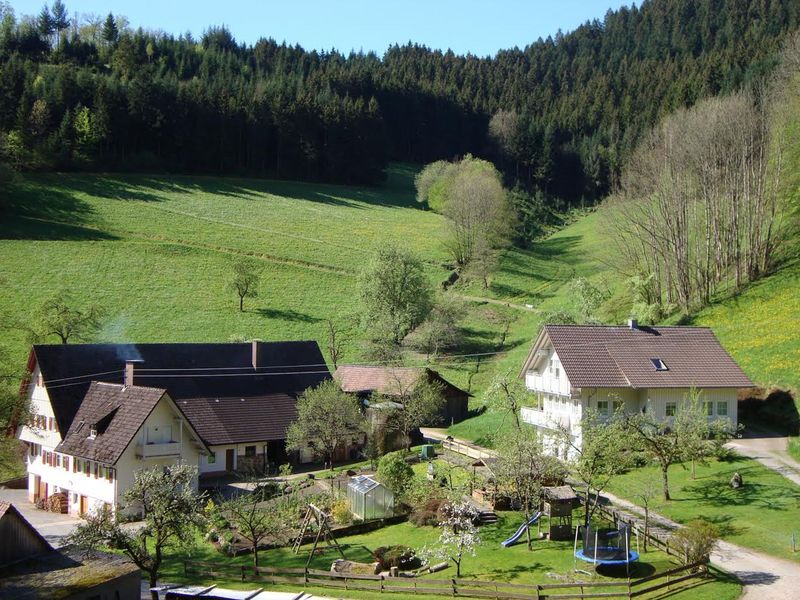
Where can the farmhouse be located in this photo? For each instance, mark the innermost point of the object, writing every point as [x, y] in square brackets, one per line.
[103, 411]
[400, 382]
[574, 368]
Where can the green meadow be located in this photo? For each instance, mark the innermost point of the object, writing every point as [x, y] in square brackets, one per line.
[155, 252]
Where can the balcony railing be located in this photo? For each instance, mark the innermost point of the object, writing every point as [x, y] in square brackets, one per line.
[158, 450]
[549, 384]
[540, 418]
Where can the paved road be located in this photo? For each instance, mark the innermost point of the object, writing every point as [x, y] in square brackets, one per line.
[769, 449]
[54, 527]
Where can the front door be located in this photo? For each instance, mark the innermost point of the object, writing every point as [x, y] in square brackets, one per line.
[37, 483]
[229, 453]
[84, 505]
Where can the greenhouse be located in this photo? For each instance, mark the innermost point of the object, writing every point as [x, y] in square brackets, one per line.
[369, 499]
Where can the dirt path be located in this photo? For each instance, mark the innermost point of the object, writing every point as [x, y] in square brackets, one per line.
[763, 577]
[769, 449]
[495, 301]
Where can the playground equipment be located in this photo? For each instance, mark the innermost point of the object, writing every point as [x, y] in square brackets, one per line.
[558, 504]
[522, 528]
[610, 547]
[321, 518]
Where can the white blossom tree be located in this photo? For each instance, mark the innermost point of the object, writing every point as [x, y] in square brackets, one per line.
[459, 535]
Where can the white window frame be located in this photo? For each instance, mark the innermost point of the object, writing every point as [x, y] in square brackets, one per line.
[670, 406]
[722, 404]
[602, 407]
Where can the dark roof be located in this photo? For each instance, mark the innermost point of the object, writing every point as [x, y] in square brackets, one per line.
[389, 381]
[119, 412]
[66, 573]
[215, 370]
[238, 420]
[611, 356]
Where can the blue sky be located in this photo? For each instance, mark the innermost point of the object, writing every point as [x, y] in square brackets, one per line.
[482, 28]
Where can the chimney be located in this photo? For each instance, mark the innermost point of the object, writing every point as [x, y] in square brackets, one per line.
[129, 368]
[256, 352]
[633, 324]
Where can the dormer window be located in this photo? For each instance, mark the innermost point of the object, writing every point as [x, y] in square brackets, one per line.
[659, 364]
[93, 432]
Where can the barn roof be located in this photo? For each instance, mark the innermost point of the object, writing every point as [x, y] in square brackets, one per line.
[639, 357]
[389, 381]
[238, 420]
[186, 371]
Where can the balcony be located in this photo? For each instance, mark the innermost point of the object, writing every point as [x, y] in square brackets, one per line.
[545, 383]
[539, 418]
[163, 450]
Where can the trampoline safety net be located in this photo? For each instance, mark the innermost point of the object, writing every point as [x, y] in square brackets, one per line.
[605, 544]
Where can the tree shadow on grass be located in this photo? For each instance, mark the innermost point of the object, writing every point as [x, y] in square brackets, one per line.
[286, 315]
[717, 492]
[725, 524]
[25, 228]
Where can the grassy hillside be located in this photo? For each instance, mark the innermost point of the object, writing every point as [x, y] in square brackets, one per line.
[156, 254]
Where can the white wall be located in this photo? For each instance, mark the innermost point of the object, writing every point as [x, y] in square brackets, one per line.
[549, 375]
[656, 399]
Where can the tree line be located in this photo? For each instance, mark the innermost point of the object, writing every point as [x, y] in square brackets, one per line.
[705, 200]
[559, 116]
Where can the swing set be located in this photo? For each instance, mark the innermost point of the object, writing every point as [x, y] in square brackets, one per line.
[321, 518]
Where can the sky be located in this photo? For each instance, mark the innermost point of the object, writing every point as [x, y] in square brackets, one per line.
[479, 27]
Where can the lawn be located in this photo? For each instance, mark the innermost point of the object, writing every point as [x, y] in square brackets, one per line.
[762, 515]
[549, 562]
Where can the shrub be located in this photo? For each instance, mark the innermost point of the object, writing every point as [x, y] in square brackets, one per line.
[427, 513]
[695, 541]
[341, 512]
[395, 473]
[402, 557]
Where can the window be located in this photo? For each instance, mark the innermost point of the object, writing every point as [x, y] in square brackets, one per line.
[722, 409]
[555, 368]
[709, 408]
[659, 364]
[66, 463]
[249, 450]
[602, 407]
[671, 409]
[58, 460]
[212, 458]
[93, 432]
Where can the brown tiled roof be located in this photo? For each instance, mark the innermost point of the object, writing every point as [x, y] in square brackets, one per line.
[390, 381]
[609, 356]
[238, 420]
[119, 413]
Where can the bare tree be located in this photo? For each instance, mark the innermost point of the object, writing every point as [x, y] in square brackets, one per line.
[60, 317]
[336, 341]
[255, 522]
[245, 281]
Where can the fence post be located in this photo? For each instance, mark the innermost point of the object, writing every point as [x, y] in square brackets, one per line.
[243, 575]
[305, 576]
[454, 586]
[186, 568]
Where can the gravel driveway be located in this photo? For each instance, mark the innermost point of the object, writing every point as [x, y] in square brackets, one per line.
[54, 527]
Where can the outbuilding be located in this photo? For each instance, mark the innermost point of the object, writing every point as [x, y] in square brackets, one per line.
[369, 499]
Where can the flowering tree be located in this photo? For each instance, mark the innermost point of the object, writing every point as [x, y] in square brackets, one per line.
[459, 535]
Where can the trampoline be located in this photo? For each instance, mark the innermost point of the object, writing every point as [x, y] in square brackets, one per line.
[605, 547]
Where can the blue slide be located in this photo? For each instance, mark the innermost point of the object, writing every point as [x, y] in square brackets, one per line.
[514, 538]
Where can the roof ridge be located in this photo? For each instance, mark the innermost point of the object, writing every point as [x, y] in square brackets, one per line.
[122, 387]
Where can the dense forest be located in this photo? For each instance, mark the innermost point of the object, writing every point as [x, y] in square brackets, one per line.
[559, 117]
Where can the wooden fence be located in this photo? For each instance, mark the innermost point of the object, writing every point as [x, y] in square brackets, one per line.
[674, 580]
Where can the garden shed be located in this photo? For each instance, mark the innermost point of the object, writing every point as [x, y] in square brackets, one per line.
[369, 499]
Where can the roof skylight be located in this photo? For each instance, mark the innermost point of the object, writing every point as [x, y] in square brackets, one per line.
[659, 364]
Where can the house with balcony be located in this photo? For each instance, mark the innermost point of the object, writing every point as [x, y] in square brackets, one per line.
[100, 412]
[574, 368]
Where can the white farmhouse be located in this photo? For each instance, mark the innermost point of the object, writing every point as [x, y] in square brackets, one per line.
[101, 412]
[573, 368]
[117, 430]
